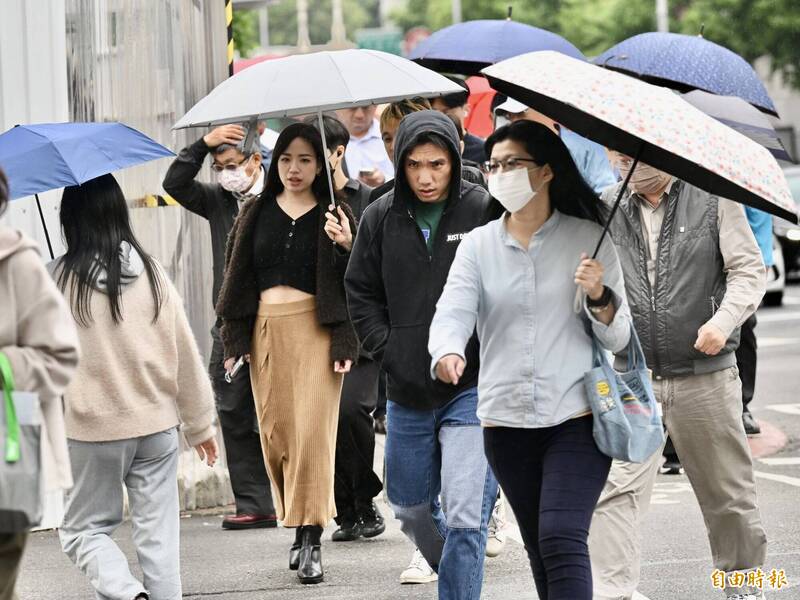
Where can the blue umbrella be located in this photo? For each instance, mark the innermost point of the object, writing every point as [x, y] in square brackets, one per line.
[687, 62]
[37, 158]
[468, 47]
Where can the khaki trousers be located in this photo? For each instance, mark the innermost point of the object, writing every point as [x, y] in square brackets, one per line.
[12, 545]
[703, 414]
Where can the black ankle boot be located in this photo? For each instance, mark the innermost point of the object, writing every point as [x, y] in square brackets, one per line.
[294, 551]
[310, 568]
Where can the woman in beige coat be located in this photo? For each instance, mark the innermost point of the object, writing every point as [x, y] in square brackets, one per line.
[140, 378]
[38, 336]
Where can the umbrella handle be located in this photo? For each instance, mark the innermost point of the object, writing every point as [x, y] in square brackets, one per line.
[617, 201]
[44, 226]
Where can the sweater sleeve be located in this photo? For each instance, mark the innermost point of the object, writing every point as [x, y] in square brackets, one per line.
[195, 398]
[45, 355]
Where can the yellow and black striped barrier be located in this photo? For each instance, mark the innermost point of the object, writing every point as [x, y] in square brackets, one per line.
[229, 23]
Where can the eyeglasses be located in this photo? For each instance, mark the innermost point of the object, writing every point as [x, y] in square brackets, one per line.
[230, 166]
[507, 164]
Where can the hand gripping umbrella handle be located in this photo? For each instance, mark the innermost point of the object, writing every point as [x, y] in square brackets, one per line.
[617, 201]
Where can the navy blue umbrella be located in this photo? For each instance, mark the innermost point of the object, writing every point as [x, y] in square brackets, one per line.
[687, 62]
[37, 158]
[468, 47]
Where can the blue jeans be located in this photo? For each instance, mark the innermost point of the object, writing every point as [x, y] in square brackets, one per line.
[433, 452]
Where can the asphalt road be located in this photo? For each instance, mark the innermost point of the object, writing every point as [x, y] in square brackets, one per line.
[677, 564]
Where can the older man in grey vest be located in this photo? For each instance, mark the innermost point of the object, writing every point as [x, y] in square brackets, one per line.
[693, 275]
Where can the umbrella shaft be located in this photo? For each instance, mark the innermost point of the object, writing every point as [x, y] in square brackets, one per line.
[617, 201]
[44, 226]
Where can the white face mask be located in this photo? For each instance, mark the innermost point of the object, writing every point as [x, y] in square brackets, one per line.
[512, 189]
[236, 180]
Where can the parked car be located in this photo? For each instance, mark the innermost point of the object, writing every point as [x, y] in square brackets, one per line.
[788, 233]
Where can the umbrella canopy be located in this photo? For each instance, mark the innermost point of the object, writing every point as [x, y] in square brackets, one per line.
[468, 47]
[686, 62]
[480, 120]
[741, 116]
[309, 83]
[648, 122]
[37, 158]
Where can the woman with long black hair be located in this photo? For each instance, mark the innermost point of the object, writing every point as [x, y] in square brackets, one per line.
[515, 278]
[139, 378]
[283, 308]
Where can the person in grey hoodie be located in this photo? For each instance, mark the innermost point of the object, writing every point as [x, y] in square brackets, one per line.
[38, 337]
[402, 254]
[141, 377]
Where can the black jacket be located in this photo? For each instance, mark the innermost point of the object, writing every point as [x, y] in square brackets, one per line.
[208, 200]
[239, 297]
[393, 284]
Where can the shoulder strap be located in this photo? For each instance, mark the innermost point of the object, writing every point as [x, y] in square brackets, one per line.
[12, 425]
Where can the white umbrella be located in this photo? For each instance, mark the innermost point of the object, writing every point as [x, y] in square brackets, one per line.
[315, 83]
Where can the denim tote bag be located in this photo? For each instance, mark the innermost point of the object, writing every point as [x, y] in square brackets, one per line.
[627, 424]
[20, 456]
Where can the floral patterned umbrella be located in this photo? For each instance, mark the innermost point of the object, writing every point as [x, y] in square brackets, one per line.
[649, 123]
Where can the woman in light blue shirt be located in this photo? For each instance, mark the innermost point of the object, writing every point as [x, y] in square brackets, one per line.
[515, 279]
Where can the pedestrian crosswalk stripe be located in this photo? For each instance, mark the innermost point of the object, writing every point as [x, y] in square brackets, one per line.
[788, 409]
[795, 481]
[781, 461]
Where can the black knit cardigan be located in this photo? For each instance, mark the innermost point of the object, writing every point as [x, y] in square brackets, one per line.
[238, 299]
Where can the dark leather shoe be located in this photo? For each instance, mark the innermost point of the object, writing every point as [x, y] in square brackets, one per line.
[310, 568]
[751, 426]
[294, 557]
[372, 521]
[349, 531]
[249, 521]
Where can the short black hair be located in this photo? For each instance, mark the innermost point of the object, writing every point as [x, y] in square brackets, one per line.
[336, 133]
[456, 99]
[3, 192]
[459, 126]
[431, 137]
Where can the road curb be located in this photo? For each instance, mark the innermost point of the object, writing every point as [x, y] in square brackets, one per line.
[771, 440]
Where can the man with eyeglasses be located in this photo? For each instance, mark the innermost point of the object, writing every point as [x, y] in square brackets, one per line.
[237, 160]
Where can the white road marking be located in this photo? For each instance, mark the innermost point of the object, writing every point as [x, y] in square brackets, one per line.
[788, 409]
[774, 317]
[795, 481]
[771, 342]
[781, 462]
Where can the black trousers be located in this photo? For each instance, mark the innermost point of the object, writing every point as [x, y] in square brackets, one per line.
[746, 356]
[380, 409]
[552, 478]
[237, 419]
[355, 483]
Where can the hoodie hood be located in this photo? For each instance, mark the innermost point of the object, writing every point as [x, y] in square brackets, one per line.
[12, 241]
[131, 267]
[408, 134]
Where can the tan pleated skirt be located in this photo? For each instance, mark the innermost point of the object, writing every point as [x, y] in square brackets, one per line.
[297, 402]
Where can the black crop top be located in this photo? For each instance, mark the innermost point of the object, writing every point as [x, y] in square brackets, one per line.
[285, 249]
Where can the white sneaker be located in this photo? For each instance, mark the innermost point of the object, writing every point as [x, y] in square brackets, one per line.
[496, 540]
[418, 570]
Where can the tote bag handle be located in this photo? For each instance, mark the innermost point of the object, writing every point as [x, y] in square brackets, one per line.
[12, 425]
